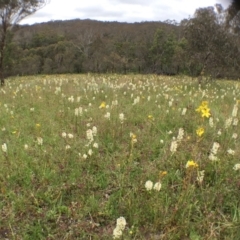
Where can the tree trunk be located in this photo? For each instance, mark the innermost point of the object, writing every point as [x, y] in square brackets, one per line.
[2, 46]
[125, 69]
[2, 80]
[1, 69]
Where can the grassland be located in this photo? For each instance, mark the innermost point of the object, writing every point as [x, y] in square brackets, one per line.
[80, 151]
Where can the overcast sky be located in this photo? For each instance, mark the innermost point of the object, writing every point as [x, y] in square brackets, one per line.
[119, 10]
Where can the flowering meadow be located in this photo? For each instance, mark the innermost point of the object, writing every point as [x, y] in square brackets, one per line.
[119, 157]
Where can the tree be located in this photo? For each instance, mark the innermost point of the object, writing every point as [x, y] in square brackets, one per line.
[209, 48]
[11, 13]
[233, 16]
[162, 52]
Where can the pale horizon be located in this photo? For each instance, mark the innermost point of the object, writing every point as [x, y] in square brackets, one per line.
[119, 10]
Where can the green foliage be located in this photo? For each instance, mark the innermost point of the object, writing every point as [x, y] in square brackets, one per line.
[12, 12]
[197, 46]
[162, 51]
[45, 39]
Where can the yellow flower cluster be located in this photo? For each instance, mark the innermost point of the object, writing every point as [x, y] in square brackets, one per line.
[204, 110]
[103, 105]
[191, 164]
[200, 131]
[163, 173]
[150, 117]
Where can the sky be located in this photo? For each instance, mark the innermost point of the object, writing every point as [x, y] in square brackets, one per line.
[119, 10]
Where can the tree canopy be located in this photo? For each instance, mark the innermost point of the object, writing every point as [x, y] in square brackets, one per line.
[202, 45]
[11, 13]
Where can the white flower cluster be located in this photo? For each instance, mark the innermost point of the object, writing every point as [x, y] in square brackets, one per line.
[4, 148]
[230, 151]
[174, 145]
[107, 115]
[180, 134]
[78, 111]
[118, 230]
[211, 122]
[213, 153]
[94, 131]
[57, 90]
[69, 135]
[136, 100]
[234, 136]
[235, 122]
[39, 141]
[121, 117]
[90, 134]
[67, 147]
[133, 137]
[184, 110]
[228, 123]
[235, 110]
[200, 176]
[71, 99]
[114, 103]
[149, 186]
[236, 167]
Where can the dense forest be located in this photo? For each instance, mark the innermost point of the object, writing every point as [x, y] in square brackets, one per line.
[199, 45]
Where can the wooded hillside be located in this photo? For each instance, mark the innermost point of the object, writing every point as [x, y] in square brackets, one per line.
[196, 45]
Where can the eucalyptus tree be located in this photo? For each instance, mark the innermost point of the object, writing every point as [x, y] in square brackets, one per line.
[233, 16]
[11, 13]
[210, 48]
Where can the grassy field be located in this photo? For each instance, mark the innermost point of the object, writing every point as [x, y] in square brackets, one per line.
[119, 157]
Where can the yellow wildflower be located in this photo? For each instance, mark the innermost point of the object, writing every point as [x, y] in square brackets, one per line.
[191, 164]
[103, 105]
[150, 117]
[199, 109]
[204, 103]
[200, 131]
[206, 112]
[204, 109]
[163, 173]
[38, 125]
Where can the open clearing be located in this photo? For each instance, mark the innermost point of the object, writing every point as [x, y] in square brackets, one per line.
[80, 151]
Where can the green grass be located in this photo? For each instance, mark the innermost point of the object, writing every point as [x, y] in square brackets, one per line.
[50, 192]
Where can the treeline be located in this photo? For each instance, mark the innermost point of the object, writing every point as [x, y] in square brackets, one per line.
[195, 46]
